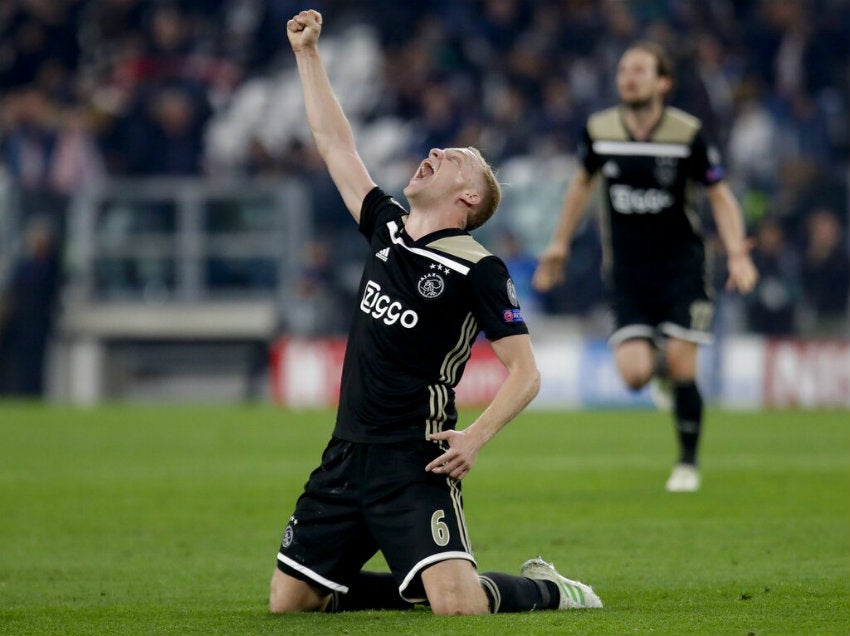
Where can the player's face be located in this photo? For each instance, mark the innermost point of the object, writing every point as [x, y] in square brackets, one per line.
[638, 81]
[444, 173]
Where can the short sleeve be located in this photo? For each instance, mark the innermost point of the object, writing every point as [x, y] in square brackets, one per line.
[586, 155]
[706, 167]
[378, 209]
[496, 304]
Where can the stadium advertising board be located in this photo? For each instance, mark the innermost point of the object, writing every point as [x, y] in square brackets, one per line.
[807, 374]
[741, 373]
[305, 373]
[600, 384]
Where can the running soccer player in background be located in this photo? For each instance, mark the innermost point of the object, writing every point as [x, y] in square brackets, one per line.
[390, 478]
[649, 156]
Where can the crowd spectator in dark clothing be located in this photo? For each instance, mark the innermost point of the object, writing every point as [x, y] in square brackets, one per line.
[772, 306]
[27, 308]
[164, 81]
[826, 277]
[29, 123]
[35, 33]
[140, 88]
[165, 134]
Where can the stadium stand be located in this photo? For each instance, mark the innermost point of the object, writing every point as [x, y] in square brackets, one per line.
[99, 94]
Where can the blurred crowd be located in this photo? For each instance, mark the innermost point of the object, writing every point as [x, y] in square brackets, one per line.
[96, 88]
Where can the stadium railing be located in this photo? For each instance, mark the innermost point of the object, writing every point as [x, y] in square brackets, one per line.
[173, 261]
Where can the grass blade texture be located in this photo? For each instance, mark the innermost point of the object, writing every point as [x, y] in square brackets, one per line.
[166, 520]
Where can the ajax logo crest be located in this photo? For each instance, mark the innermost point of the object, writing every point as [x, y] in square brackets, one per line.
[431, 285]
[289, 533]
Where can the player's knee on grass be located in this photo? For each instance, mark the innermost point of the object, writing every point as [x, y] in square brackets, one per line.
[288, 595]
[454, 589]
[454, 605]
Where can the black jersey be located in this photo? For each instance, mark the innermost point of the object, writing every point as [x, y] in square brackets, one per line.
[650, 227]
[421, 305]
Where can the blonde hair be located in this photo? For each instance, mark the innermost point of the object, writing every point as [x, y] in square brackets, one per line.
[490, 196]
[664, 65]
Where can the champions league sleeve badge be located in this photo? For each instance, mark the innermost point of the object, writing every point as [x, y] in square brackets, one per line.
[513, 314]
[512, 293]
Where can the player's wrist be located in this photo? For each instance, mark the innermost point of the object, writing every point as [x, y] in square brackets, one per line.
[557, 250]
[740, 250]
[311, 48]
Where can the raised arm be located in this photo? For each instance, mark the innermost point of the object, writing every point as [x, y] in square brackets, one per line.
[518, 389]
[328, 123]
[550, 268]
[727, 215]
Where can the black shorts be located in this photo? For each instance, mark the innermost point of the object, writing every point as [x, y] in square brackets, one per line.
[676, 308]
[369, 497]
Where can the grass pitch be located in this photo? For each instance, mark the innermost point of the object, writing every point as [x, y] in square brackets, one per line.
[161, 520]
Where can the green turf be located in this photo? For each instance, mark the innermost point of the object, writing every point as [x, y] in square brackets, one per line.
[155, 520]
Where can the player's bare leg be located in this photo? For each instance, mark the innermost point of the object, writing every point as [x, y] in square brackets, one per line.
[453, 588]
[288, 594]
[636, 362]
[681, 360]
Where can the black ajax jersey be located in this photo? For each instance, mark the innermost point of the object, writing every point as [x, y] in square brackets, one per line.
[649, 225]
[420, 306]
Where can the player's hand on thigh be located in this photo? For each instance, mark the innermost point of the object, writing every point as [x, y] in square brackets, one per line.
[458, 460]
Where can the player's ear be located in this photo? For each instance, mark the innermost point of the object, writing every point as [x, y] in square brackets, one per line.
[470, 198]
[665, 84]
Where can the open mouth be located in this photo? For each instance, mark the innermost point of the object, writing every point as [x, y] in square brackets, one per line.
[425, 170]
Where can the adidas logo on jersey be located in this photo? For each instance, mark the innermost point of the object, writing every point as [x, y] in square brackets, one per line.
[383, 254]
